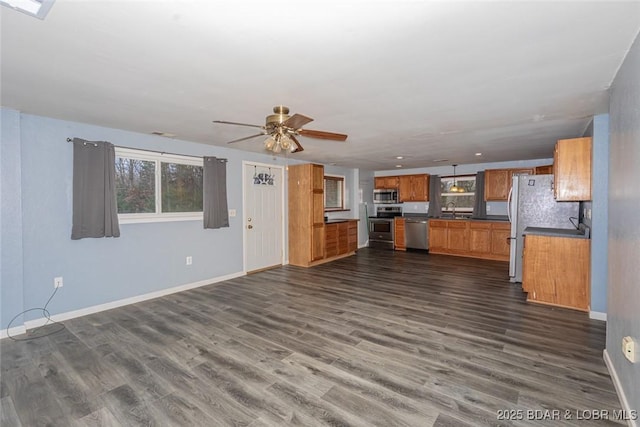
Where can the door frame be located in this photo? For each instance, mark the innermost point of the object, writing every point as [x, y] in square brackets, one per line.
[244, 210]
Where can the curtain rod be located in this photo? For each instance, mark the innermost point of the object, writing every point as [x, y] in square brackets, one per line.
[151, 151]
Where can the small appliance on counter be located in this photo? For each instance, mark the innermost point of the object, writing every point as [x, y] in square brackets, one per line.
[531, 204]
[381, 227]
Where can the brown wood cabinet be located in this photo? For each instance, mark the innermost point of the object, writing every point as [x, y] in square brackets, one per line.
[475, 239]
[384, 182]
[497, 182]
[310, 240]
[306, 214]
[555, 271]
[399, 242]
[413, 188]
[544, 170]
[572, 169]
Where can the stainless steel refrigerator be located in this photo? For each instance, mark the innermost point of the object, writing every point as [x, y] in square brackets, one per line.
[531, 204]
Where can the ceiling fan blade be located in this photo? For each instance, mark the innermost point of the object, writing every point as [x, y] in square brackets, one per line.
[298, 145]
[238, 124]
[246, 137]
[319, 134]
[297, 121]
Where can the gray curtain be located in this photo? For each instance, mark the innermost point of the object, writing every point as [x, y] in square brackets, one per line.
[435, 203]
[95, 213]
[480, 206]
[216, 214]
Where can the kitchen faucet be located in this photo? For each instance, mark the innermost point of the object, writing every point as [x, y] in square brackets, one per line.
[453, 211]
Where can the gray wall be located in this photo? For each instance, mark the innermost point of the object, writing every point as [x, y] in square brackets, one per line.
[11, 299]
[623, 299]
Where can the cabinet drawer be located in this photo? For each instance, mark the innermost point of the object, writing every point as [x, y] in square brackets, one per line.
[480, 225]
[457, 224]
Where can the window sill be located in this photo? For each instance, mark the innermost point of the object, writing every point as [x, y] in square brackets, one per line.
[337, 210]
[141, 219]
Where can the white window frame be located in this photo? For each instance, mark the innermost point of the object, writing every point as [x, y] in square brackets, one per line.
[458, 179]
[344, 195]
[158, 216]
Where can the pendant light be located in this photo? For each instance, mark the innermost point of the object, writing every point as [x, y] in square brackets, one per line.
[454, 188]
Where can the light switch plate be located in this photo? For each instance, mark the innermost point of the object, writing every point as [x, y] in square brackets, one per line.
[232, 213]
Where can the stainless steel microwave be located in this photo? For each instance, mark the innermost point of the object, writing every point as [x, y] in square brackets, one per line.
[389, 195]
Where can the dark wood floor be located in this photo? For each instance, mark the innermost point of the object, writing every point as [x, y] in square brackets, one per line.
[381, 338]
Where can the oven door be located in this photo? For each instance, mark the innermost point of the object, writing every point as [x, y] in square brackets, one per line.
[381, 230]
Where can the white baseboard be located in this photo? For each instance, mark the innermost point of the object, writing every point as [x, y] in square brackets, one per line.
[619, 390]
[597, 315]
[30, 324]
[18, 330]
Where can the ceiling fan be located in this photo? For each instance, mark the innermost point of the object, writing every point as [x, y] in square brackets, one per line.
[283, 131]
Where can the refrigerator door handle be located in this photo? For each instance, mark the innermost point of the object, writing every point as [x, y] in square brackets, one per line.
[509, 203]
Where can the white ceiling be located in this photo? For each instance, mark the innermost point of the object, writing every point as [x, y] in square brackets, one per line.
[425, 80]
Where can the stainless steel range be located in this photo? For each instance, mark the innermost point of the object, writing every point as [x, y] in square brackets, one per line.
[381, 227]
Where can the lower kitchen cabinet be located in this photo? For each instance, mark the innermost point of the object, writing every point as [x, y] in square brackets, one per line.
[399, 242]
[340, 238]
[475, 239]
[555, 271]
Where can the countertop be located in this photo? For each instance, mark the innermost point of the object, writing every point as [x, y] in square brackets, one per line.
[338, 220]
[494, 218]
[557, 232]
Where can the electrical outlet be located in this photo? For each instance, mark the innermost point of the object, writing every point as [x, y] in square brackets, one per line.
[57, 282]
[629, 349]
[189, 260]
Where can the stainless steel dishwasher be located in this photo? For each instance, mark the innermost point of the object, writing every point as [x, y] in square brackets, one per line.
[416, 233]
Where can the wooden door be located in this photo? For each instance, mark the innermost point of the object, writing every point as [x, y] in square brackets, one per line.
[263, 218]
[480, 238]
[399, 234]
[457, 236]
[404, 188]
[437, 235]
[572, 180]
[496, 184]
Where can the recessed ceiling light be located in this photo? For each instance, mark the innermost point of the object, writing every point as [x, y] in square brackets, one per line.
[35, 8]
[165, 134]
[478, 154]
[398, 166]
[440, 160]
[399, 157]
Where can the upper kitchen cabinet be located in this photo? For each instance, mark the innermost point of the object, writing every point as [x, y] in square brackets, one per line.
[572, 169]
[413, 188]
[544, 170]
[497, 182]
[384, 182]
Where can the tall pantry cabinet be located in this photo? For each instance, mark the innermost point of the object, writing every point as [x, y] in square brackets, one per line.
[306, 214]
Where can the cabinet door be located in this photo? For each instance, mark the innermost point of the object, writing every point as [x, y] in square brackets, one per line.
[317, 180]
[404, 188]
[480, 238]
[500, 242]
[457, 236]
[496, 184]
[343, 238]
[317, 242]
[544, 170]
[353, 236]
[391, 182]
[572, 180]
[399, 235]
[437, 235]
[419, 188]
[379, 182]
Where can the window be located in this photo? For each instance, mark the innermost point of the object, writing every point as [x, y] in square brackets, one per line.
[157, 187]
[463, 201]
[333, 193]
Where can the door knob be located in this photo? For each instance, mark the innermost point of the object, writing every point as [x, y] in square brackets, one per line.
[249, 226]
